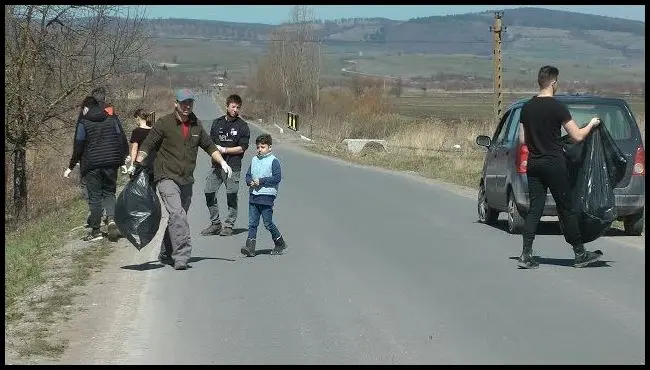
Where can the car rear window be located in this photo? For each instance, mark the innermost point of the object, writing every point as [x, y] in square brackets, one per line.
[612, 115]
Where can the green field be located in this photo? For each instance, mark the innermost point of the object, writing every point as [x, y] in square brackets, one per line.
[239, 58]
[468, 106]
[197, 55]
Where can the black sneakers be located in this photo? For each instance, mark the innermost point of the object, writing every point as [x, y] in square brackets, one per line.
[165, 259]
[280, 246]
[583, 258]
[211, 230]
[527, 261]
[93, 235]
[226, 231]
[249, 249]
[586, 258]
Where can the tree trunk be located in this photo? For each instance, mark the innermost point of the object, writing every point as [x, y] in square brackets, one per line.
[7, 177]
[20, 180]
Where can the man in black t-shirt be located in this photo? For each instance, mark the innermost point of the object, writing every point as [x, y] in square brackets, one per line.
[539, 128]
[231, 134]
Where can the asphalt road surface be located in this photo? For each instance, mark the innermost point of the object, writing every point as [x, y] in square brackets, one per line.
[381, 268]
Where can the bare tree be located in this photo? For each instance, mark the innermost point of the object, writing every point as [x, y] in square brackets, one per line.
[54, 54]
[290, 75]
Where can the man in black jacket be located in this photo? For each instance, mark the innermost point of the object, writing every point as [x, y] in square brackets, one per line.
[100, 147]
[231, 134]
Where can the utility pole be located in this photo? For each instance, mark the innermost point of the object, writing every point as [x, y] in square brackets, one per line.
[497, 31]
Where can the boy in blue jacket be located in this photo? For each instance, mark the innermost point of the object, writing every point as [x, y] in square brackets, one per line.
[263, 178]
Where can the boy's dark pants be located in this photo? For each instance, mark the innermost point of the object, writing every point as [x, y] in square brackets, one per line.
[101, 184]
[254, 213]
[552, 174]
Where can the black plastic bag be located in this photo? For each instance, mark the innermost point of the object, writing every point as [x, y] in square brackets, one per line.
[137, 211]
[595, 167]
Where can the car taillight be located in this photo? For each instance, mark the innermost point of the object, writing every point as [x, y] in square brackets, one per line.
[639, 162]
[522, 158]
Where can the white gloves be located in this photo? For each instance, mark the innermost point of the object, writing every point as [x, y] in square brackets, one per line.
[221, 149]
[226, 169]
[127, 169]
[66, 173]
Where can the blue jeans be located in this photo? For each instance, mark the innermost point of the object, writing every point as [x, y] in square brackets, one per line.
[254, 213]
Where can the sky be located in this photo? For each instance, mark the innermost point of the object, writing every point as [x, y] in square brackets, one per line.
[276, 14]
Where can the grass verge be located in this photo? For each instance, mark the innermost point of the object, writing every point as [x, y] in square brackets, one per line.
[456, 168]
[42, 270]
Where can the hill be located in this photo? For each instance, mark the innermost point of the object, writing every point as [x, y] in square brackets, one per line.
[453, 34]
[586, 47]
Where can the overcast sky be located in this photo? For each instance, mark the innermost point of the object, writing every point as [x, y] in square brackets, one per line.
[276, 14]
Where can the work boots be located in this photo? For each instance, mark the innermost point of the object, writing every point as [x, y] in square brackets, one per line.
[280, 246]
[527, 260]
[212, 229]
[249, 249]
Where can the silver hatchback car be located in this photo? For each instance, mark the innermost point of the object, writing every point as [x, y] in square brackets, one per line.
[504, 187]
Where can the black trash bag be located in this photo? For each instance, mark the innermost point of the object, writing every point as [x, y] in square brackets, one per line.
[137, 211]
[595, 166]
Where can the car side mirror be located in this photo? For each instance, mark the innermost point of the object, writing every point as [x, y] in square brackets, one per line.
[483, 140]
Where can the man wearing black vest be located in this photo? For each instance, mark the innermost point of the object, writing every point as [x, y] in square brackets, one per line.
[100, 146]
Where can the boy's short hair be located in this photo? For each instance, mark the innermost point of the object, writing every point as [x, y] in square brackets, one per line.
[264, 139]
[234, 98]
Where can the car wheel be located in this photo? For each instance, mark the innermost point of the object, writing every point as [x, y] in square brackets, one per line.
[515, 220]
[486, 214]
[634, 224]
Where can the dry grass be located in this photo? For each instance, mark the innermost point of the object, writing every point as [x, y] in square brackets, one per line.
[421, 131]
[433, 134]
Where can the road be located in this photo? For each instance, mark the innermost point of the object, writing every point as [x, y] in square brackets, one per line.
[381, 269]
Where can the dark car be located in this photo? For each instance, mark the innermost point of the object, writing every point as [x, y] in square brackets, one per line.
[504, 186]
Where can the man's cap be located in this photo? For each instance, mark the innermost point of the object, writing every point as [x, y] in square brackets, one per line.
[184, 94]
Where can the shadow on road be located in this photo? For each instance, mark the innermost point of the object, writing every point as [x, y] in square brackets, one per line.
[551, 228]
[263, 251]
[152, 265]
[567, 262]
[237, 231]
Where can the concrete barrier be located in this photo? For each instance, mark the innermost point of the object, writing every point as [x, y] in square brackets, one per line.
[355, 145]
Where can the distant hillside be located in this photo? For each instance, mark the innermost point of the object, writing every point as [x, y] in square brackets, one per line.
[529, 30]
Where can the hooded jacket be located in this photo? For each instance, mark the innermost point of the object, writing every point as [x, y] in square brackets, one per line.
[100, 141]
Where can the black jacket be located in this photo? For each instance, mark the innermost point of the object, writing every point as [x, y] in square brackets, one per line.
[100, 141]
[230, 134]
